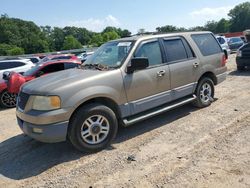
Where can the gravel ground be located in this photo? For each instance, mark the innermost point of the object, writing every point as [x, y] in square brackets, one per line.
[186, 147]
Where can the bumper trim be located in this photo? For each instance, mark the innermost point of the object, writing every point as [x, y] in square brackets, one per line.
[50, 133]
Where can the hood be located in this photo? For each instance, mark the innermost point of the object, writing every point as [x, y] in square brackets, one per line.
[62, 80]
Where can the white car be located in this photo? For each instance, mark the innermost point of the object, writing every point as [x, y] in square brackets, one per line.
[224, 45]
[17, 65]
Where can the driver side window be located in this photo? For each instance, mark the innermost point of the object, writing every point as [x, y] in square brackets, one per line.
[152, 51]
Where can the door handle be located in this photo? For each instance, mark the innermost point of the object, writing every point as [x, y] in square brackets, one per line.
[161, 73]
[195, 64]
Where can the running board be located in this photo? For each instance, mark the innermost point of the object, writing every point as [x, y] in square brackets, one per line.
[158, 110]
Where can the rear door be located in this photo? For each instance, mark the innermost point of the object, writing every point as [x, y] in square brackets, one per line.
[183, 65]
[150, 87]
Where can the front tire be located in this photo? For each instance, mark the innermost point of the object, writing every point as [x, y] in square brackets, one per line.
[7, 100]
[204, 93]
[92, 127]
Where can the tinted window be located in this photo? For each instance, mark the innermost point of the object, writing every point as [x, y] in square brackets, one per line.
[207, 44]
[34, 60]
[175, 50]
[152, 51]
[221, 40]
[52, 68]
[235, 40]
[10, 65]
[70, 65]
[61, 57]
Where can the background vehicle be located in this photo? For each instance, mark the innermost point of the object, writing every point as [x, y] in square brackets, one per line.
[11, 86]
[84, 56]
[124, 81]
[17, 65]
[59, 56]
[243, 53]
[34, 59]
[235, 43]
[224, 45]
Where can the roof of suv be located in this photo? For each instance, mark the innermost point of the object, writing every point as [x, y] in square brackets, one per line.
[144, 37]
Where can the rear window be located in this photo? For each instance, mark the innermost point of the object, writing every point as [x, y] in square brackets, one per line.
[221, 40]
[207, 44]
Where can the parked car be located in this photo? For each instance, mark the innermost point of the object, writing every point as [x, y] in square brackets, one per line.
[124, 81]
[17, 65]
[13, 81]
[243, 53]
[84, 56]
[34, 59]
[235, 43]
[59, 56]
[224, 45]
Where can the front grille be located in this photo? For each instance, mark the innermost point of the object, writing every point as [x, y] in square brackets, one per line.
[22, 100]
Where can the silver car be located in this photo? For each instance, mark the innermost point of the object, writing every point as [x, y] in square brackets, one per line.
[123, 82]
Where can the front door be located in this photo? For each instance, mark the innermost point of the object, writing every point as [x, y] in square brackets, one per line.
[150, 87]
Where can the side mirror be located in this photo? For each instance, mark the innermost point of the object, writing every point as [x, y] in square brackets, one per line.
[6, 75]
[137, 63]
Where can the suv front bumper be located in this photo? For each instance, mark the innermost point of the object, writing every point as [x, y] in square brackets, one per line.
[49, 127]
[51, 133]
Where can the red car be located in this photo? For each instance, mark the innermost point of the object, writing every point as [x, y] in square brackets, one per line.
[13, 81]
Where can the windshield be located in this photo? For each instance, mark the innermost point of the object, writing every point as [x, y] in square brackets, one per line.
[111, 54]
[32, 71]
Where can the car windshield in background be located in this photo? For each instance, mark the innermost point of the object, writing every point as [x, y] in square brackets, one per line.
[111, 54]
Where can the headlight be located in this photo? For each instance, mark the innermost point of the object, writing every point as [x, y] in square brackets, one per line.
[46, 103]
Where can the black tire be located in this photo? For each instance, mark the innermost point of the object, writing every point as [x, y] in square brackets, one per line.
[7, 100]
[204, 98]
[240, 68]
[77, 125]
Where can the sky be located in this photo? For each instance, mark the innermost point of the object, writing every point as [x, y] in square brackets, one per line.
[133, 15]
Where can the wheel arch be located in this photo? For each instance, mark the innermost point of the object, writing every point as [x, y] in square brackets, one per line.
[210, 75]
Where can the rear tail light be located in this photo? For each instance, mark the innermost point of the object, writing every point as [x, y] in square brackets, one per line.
[223, 60]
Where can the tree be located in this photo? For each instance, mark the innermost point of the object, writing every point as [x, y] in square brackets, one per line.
[222, 26]
[240, 17]
[97, 40]
[169, 29]
[6, 49]
[111, 35]
[70, 43]
[211, 26]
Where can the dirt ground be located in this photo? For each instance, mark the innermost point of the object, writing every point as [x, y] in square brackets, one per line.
[186, 147]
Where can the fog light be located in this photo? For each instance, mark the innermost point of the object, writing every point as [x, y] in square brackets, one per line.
[37, 130]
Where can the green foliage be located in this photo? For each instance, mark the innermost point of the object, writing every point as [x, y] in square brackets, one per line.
[169, 28]
[71, 42]
[240, 17]
[18, 36]
[6, 49]
[97, 40]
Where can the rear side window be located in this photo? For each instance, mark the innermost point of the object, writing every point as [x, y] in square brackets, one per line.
[176, 51]
[152, 51]
[70, 65]
[207, 44]
[10, 64]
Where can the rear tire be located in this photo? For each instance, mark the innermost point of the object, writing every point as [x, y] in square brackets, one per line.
[7, 100]
[204, 93]
[92, 127]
